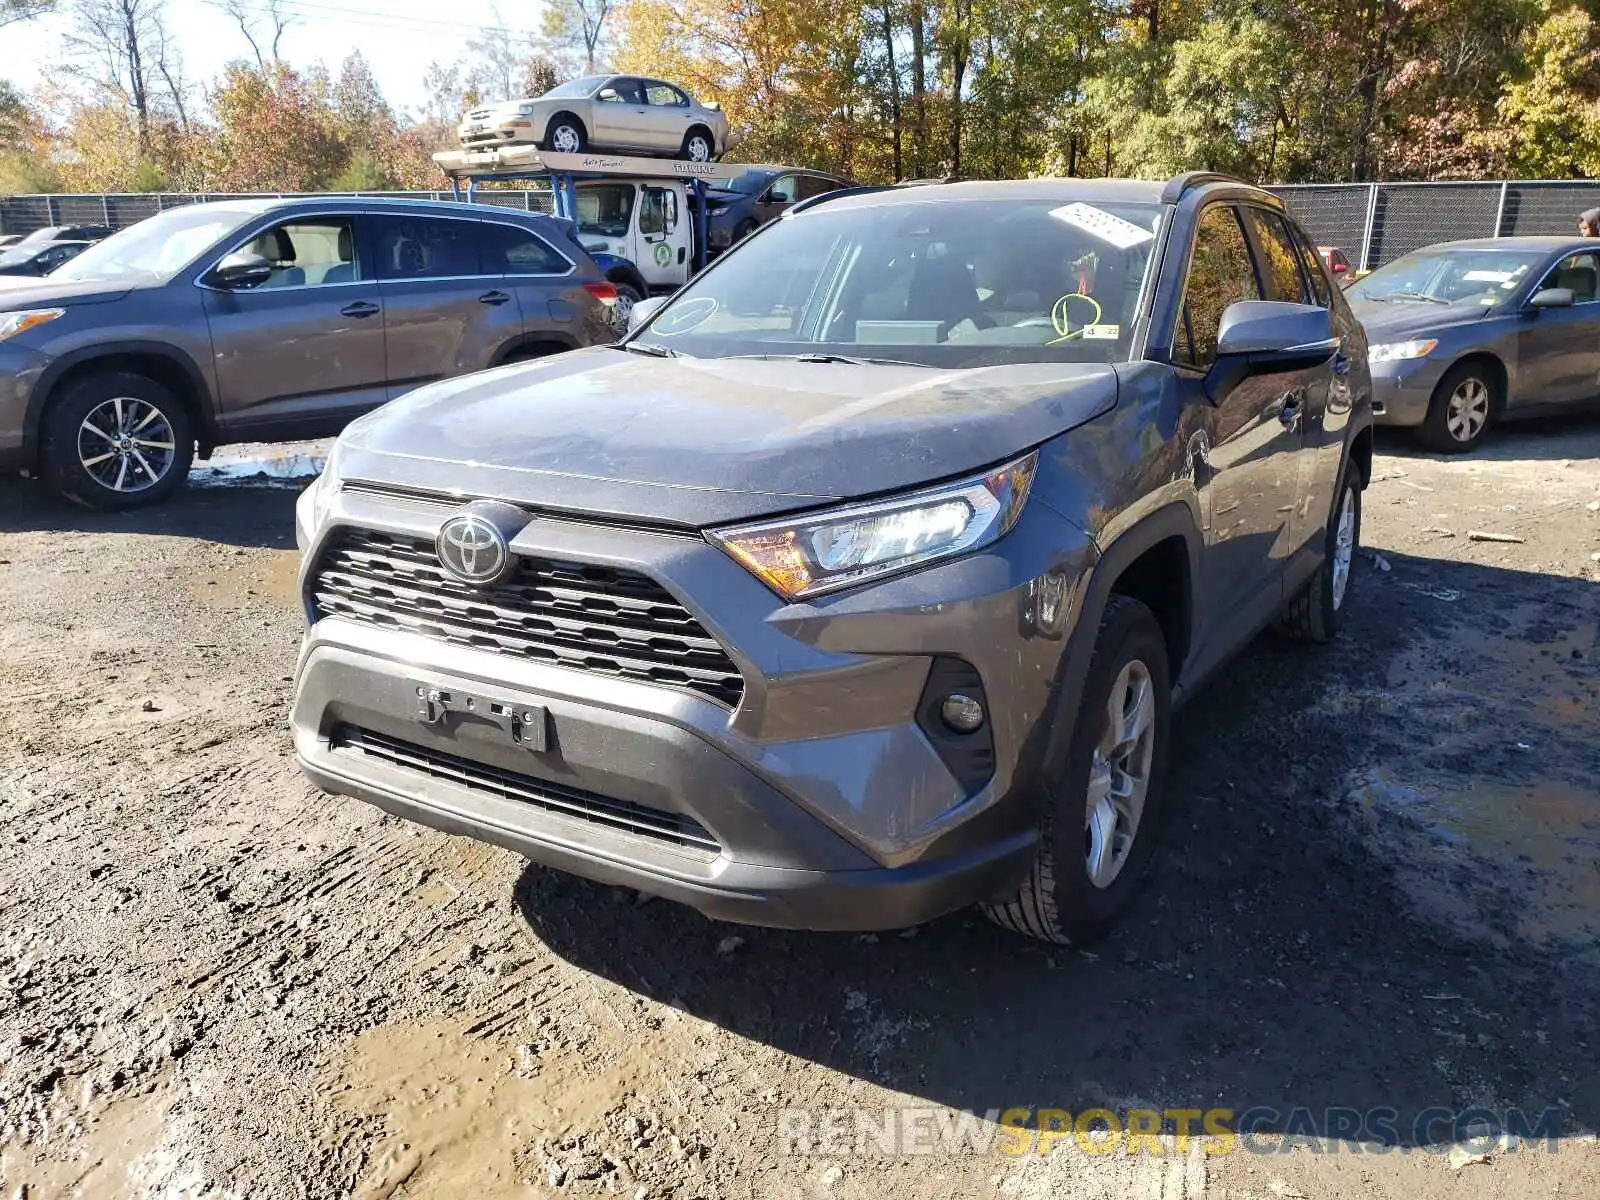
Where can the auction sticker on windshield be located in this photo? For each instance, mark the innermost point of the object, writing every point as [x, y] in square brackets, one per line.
[1108, 227]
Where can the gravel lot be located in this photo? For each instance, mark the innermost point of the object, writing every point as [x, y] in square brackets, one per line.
[1381, 888]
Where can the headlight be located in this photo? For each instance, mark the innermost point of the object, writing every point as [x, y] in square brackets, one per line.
[13, 323]
[716, 210]
[525, 110]
[808, 555]
[1395, 351]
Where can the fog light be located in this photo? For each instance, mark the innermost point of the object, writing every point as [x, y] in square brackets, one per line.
[961, 713]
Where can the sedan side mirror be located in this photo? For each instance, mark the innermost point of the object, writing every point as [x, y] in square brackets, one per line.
[608, 94]
[1557, 297]
[644, 309]
[1260, 336]
[241, 269]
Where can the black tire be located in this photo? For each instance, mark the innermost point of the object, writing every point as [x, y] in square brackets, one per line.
[698, 145]
[565, 121]
[1059, 902]
[65, 443]
[744, 229]
[1317, 613]
[1447, 431]
[627, 297]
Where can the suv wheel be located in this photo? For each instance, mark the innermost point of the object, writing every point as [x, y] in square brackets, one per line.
[116, 440]
[622, 307]
[1464, 406]
[1101, 810]
[1317, 613]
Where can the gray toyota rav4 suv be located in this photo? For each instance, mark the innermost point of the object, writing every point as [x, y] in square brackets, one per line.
[859, 582]
[258, 320]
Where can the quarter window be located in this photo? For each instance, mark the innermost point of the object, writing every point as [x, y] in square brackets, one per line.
[308, 253]
[1220, 274]
[815, 185]
[509, 250]
[425, 248]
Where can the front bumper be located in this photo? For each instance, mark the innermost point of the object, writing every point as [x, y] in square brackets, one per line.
[1402, 391]
[817, 803]
[20, 370]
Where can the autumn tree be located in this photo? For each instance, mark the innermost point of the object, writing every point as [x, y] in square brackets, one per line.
[574, 35]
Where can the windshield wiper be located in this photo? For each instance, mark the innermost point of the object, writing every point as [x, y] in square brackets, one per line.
[848, 360]
[647, 349]
[1413, 296]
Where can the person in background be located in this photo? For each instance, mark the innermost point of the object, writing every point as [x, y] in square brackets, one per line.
[1589, 223]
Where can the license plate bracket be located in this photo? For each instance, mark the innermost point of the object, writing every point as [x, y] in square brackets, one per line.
[525, 724]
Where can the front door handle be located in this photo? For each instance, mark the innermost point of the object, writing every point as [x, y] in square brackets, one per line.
[361, 308]
[495, 297]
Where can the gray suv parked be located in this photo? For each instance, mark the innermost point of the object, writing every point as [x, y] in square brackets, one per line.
[859, 582]
[259, 320]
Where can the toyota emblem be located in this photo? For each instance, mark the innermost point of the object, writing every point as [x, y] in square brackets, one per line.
[473, 550]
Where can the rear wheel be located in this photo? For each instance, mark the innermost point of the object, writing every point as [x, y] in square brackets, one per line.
[1100, 809]
[116, 440]
[1464, 406]
[1317, 613]
[622, 307]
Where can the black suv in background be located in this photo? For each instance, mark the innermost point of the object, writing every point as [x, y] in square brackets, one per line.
[762, 193]
[268, 319]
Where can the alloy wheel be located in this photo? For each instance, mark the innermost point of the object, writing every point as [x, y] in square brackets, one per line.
[699, 149]
[565, 140]
[1344, 545]
[126, 445]
[1119, 775]
[1468, 410]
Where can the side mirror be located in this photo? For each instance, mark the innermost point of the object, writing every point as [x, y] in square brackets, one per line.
[644, 309]
[1259, 336]
[1553, 298]
[608, 94]
[241, 269]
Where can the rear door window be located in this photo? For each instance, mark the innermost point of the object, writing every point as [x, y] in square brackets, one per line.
[415, 247]
[512, 250]
[815, 185]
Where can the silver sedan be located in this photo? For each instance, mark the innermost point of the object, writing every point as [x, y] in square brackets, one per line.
[607, 112]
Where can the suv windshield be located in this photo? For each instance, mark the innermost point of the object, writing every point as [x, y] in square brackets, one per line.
[575, 88]
[605, 209]
[1446, 276]
[940, 283]
[158, 247]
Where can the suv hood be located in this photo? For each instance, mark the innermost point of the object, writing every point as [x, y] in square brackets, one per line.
[32, 291]
[696, 442]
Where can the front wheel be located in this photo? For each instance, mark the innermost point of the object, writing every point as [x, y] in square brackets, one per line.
[1463, 407]
[1100, 810]
[116, 440]
[565, 136]
[1317, 613]
[697, 146]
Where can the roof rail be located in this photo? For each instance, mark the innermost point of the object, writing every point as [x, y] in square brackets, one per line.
[1179, 184]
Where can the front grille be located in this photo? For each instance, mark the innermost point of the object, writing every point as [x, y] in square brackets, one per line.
[676, 828]
[603, 620]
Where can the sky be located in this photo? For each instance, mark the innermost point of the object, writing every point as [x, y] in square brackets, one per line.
[398, 37]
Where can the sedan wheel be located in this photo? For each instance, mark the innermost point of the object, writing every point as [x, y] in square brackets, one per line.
[697, 148]
[1463, 409]
[1468, 410]
[564, 138]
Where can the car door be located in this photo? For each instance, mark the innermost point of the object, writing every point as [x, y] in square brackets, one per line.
[668, 115]
[1246, 452]
[303, 353]
[1558, 349]
[663, 236]
[1311, 392]
[621, 116]
[444, 314]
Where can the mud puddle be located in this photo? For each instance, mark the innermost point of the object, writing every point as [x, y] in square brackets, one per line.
[272, 578]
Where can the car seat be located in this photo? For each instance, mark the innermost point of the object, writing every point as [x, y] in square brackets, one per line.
[1580, 279]
[277, 247]
[344, 271]
[942, 290]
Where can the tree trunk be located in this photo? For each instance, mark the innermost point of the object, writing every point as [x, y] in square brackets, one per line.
[138, 94]
[919, 88]
[894, 90]
[958, 74]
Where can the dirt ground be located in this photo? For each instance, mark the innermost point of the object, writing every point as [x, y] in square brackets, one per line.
[1381, 890]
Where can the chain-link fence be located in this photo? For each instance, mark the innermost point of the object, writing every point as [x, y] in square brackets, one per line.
[1373, 223]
